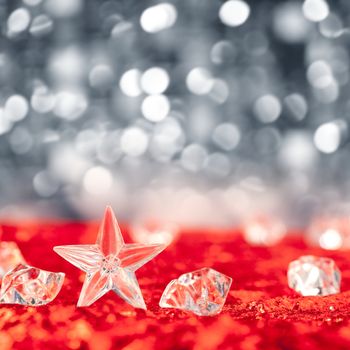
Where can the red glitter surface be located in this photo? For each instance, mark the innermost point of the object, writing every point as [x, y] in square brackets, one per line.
[261, 312]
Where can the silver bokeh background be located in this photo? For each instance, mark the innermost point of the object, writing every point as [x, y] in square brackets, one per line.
[201, 112]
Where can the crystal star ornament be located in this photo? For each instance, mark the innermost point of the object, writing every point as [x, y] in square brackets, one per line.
[202, 292]
[110, 264]
[27, 285]
[311, 275]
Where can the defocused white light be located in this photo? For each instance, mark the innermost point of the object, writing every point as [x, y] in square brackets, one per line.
[328, 93]
[267, 108]
[108, 147]
[155, 80]
[120, 28]
[18, 21]
[42, 100]
[267, 140]
[101, 76]
[218, 164]
[155, 107]
[134, 141]
[199, 81]
[5, 123]
[297, 105]
[319, 74]
[44, 184]
[98, 180]
[86, 142]
[158, 17]
[222, 51]
[63, 8]
[315, 10]
[16, 108]
[67, 164]
[331, 27]
[130, 83]
[41, 25]
[50, 136]
[226, 136]
[331, 240]
[67, 65]
[193, 157]
[70, 105]
[264, 231]
[154, 234]
[21, 140]
[219, 91]
[327, 137]
[168, 138]
[234, 13]
[297, 151]
[289, 24]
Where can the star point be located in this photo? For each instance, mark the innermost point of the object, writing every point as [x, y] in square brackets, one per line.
[110, 264]
[109, 239]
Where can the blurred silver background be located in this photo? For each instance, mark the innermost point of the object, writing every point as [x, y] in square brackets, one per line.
[198, 112]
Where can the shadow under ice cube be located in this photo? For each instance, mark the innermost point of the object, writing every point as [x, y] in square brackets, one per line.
[310, 275]
[202, 292]
[27, 285]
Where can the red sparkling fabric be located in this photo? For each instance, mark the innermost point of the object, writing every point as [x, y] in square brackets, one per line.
[261, 312]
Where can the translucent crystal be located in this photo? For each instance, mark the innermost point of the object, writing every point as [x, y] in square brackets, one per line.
[10, 256]
[110, 264]
[310, 275]
[27, 285]
[202, 292]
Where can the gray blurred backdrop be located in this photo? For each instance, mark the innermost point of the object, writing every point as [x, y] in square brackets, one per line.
[201, 112]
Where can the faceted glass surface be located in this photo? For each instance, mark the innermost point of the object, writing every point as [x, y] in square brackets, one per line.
[27, 285]
[10, 256]
[310, 275]
[110, 264]
[202, 292]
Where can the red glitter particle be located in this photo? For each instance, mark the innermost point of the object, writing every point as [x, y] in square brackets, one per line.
[261, 312]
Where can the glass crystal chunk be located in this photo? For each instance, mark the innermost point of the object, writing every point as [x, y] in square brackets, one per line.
[310, 275]
[10, 256]
[110, 264]
[202, 292]
[27, 285]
